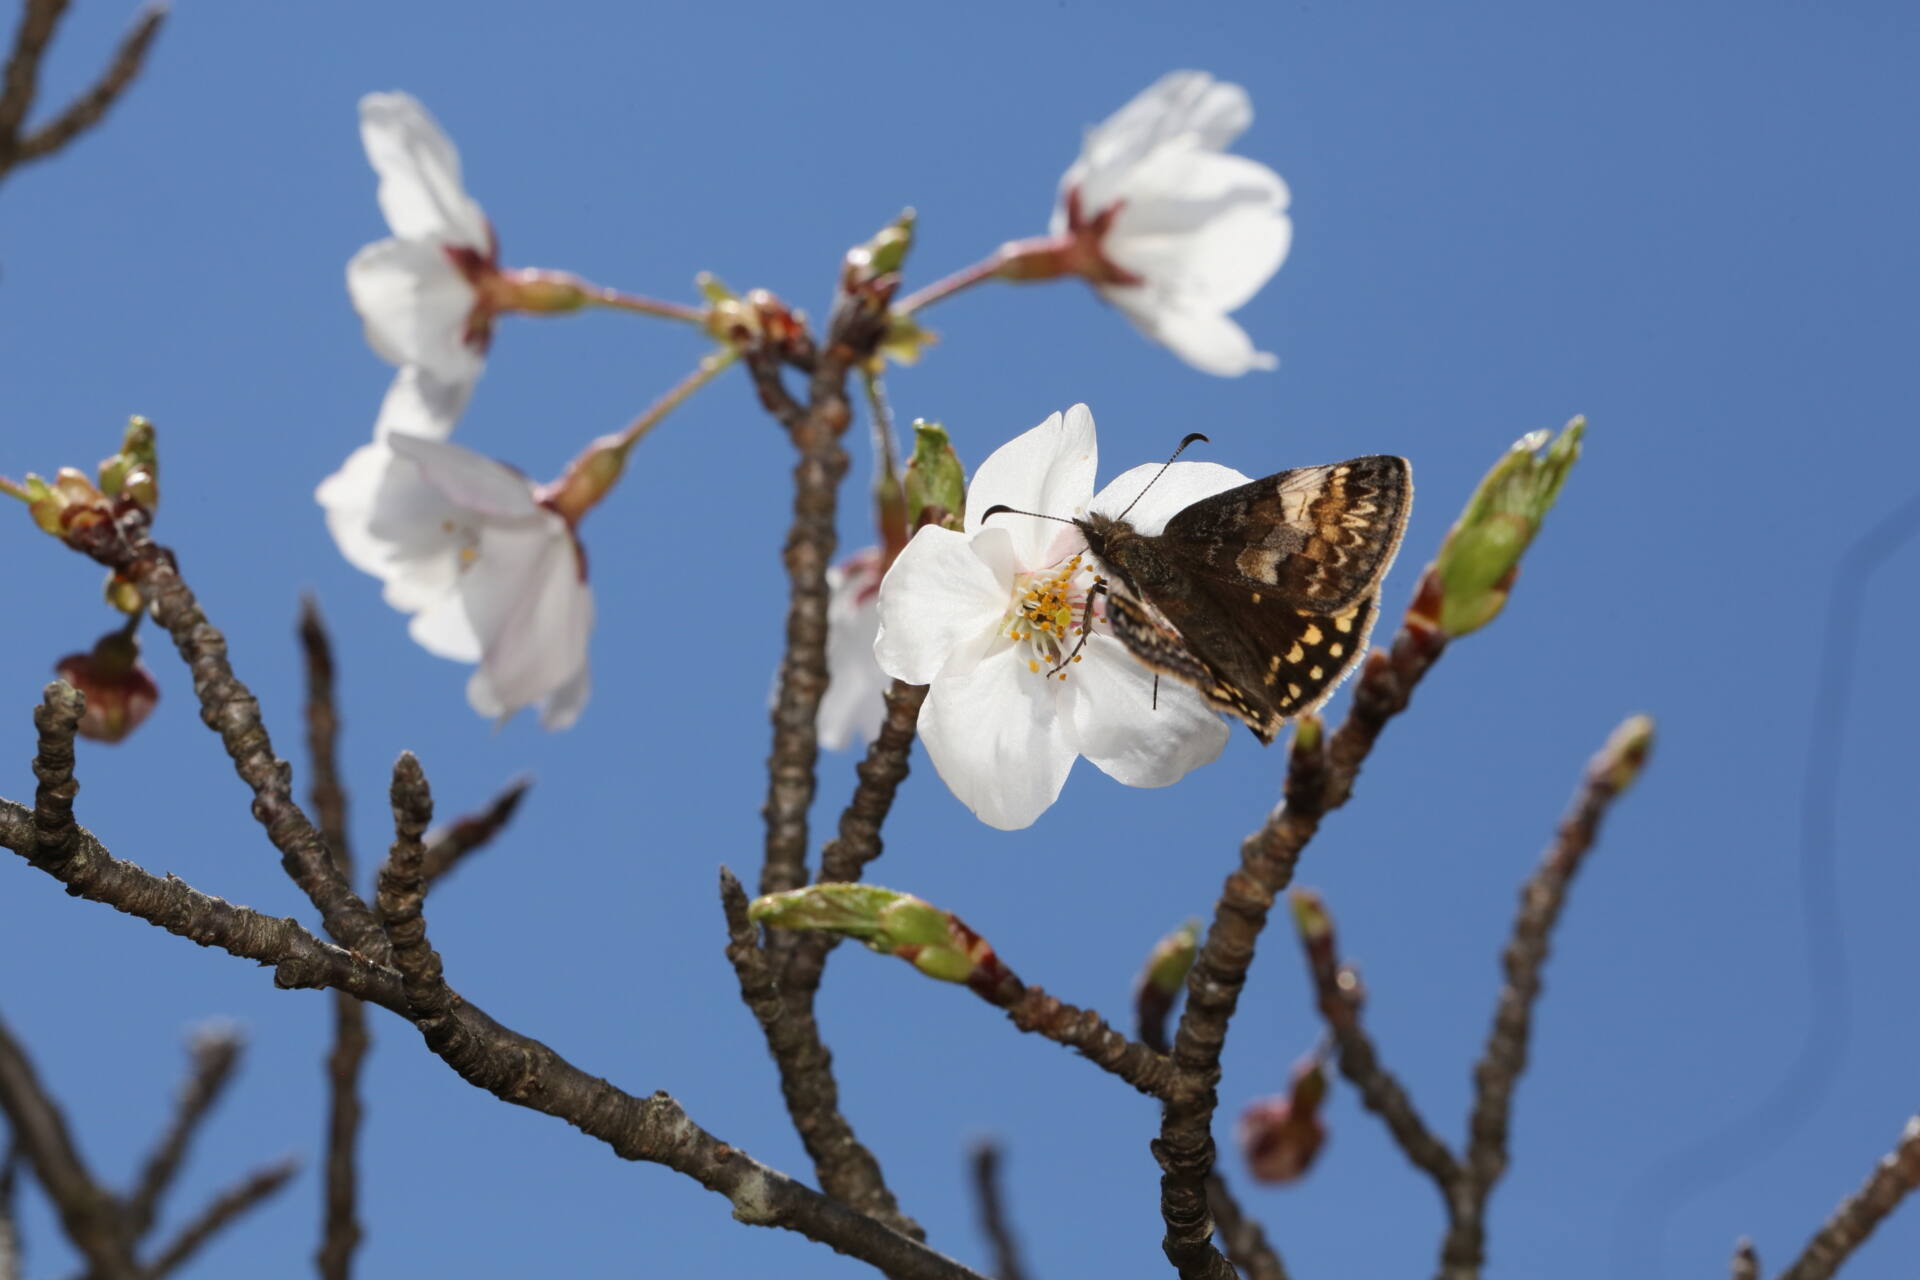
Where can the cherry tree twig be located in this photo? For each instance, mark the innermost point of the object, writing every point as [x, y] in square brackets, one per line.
[1892, 1180]
[511, 1066]
[1746, 1263]
[223, 1211]
[340, 1231]
[993, 1213]
[215, 1053]
[1245, 1243]
[451, 845]
[38, 21]
[9, 1229]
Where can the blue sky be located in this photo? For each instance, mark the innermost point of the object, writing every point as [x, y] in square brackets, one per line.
[1693, 224]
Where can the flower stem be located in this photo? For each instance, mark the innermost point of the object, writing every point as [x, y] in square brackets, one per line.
[710, 367]
[985, 269]
[618, 301]
[13, 489]
[889, 495]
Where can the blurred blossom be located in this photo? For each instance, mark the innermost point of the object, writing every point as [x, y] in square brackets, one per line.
[120, 691]
[985, 613]
[491, 573]
[1171, 230]
[854, 705]
[423, 293]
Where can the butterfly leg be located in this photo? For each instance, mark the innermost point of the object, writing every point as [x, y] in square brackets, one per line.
[1099, 588]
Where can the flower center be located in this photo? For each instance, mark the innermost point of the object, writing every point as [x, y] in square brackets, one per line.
[1049, 613]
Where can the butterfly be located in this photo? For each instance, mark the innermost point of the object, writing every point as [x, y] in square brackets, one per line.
[1261, 597]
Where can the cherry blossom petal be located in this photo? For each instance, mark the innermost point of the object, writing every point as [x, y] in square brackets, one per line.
[559, 709]
[414, 305]
[1048, 470]
[471, 480]
[1153, 502]
[1210, 342]
[945, 589]
[1131, 734]
[1206, 231]
[533, 610]
[997, 741]
[420, 189]
[419, 403]
[853, 707]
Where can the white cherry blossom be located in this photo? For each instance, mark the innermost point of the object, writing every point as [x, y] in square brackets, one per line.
[854, 707]
[491, 573]
[425, 294]
[984, 616]
[1173, 231]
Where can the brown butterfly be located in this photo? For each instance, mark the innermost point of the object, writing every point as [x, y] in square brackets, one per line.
[1260, 597]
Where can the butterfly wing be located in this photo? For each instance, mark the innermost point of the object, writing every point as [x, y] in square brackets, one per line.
[1317, 538]
[1274, 662]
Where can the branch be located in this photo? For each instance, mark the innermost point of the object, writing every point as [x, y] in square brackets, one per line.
[1336, 992]
[512, 1067]
[88, 1213]
[90, 108]
[225, 1209]
[402, 897]
[1609, 773]
[1090, 1035]
[858, 843]
[215, 1053]
[229, 708]
[9, 1232]
[472, 833]
[38, 20]
[847, 1170]
[1893, 1179]
[1245, 1243]
[340, 1231]
[993, 1213]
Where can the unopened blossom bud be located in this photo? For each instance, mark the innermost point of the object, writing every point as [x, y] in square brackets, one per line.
[885, 253]
[1161, 981]
[1281, 1136]
[1619, 762]
[1468, 583]
[937, 943]
[120, 691]
[936, 482]
[122, 594]
[67, 504]
[132, 473]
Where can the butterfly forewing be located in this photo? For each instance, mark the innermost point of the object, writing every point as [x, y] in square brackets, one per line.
[1316, 537]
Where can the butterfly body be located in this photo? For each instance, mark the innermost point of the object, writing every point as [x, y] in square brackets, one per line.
[1260, 597]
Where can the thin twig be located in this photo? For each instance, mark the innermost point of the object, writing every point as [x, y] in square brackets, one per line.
[1746, 1263]
[1892, 1180]
[91, 107]
[88, 1212]
[225, 1209]
[511, 1066]
[9, 1230]
[858, 842]
[215, 1052]
[402, 895]
[229, 708]
[1090, 1035]
[1246, 1245]
[1609, 773]
[993, 1213]
[451, 844]
[340, 1231]
[38, 21]
[1318, 781]
[847, 1170]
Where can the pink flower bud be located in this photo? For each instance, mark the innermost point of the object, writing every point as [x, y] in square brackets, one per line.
[1281, 1136]
[120, 691]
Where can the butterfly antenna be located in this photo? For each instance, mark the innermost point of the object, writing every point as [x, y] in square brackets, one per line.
[1189, 438]
[1003, 508]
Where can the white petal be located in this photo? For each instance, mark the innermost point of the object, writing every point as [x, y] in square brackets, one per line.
[1154, 502]
[387, 521]
[1208, 341]
[414, 305]
[469, 480]
[1129, 733]
[419, 403]
[944, 592]
[997, 741]
[420, 189]
[1181, 104]
[1206, 231]
[1048, 470]
[559, 709]
[533, 611]
[853, 708]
